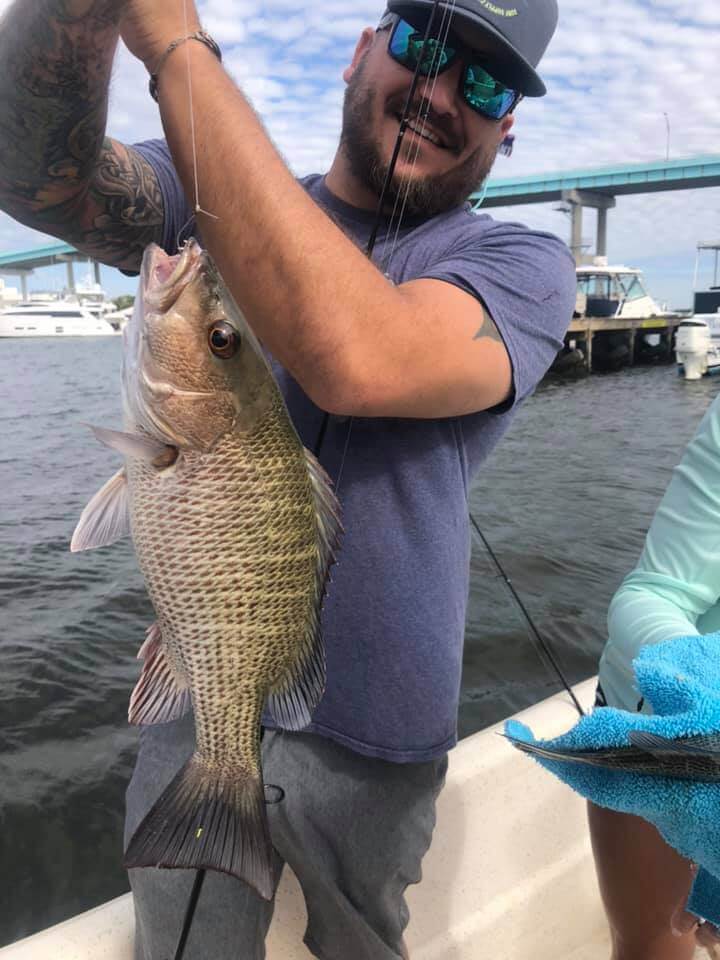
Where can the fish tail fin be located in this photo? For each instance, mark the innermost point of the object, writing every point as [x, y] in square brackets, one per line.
[209, 819]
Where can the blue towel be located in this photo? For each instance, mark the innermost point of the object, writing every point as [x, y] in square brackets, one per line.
[681, 680]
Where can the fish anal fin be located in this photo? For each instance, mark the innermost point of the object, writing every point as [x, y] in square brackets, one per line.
[162, 693]
[208, 821]
[106, 518]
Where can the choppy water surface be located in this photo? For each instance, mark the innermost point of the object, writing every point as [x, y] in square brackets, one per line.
[565, 502]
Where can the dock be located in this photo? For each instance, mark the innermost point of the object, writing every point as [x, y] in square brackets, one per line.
[608, 343]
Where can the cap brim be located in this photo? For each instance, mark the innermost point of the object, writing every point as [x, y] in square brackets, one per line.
[512, 69]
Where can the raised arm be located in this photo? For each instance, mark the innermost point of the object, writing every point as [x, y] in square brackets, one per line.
[58, 172]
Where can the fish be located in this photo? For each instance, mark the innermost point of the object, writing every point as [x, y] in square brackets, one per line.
[235, 527]
[682, 758]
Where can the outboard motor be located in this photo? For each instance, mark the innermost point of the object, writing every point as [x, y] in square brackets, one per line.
[692, 345]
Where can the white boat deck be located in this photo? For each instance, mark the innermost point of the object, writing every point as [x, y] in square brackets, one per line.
[509, 876]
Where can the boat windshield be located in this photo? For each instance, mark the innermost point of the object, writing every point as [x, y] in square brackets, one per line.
[597, 285]
[632, 287]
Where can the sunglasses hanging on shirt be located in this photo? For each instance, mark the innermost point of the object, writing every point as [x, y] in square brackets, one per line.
[481, 92]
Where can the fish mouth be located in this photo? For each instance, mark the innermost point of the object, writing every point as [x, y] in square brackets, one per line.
[163, 277]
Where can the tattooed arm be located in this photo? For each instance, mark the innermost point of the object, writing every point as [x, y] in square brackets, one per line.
[58, 172]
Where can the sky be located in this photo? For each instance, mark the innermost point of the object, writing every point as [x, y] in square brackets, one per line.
[613, 70]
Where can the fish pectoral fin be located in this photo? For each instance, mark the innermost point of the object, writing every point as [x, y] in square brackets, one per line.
[209, 819]
[134, 446]
[162, 693]
[106, 518]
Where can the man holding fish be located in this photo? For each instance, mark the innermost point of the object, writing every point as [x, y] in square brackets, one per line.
[398, 373]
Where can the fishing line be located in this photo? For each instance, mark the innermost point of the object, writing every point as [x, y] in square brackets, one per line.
[423, 115]
[190, 914]
[379, 216]
[198, 208]
[401, 132]
[543, 643]
[408, 176]
[344, 456]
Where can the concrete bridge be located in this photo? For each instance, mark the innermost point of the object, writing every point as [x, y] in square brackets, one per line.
[599, 187]
[23, 263]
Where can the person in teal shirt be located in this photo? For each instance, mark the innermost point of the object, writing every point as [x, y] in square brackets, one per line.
[674, 591]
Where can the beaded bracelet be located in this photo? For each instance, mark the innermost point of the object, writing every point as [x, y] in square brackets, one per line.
[199, 35]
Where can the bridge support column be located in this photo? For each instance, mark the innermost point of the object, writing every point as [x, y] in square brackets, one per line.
[96, 271]
[23, 285]
[601, 243]
[70, 276]
[588, 198]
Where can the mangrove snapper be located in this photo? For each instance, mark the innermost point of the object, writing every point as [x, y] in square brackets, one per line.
[235, 527]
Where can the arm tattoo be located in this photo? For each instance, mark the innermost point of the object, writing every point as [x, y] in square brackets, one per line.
[58, 172]
[488, 330]
[123, 209]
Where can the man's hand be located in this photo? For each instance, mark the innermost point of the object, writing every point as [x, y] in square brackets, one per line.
[149, 26]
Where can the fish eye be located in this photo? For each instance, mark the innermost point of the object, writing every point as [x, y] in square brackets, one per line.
[224, 340]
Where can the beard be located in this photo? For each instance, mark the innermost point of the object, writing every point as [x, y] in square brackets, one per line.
[420, 196]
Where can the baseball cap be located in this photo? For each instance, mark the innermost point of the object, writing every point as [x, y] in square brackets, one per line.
[521, 30]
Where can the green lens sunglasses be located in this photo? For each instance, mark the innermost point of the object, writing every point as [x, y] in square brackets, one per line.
[480, 90]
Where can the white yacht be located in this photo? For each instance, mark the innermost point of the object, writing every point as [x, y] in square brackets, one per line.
[697, 344]
[53, 318]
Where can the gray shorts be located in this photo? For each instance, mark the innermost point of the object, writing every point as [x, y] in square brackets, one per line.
[353, 829]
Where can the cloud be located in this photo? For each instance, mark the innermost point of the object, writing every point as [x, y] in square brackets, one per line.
[613, 71]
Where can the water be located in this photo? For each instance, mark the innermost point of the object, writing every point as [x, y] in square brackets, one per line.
[565, 502]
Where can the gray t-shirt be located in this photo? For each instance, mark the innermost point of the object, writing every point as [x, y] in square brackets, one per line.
[394, 618]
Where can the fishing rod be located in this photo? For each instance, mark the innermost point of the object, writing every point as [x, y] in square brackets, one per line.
[543, 643]
[372, 241]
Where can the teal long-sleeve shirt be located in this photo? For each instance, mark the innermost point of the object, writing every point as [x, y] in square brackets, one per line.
[675, 589]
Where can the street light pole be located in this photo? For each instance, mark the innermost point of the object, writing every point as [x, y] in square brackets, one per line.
[667, 124]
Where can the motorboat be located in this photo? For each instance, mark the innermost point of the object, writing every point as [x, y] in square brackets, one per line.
[53, 317]
[510, 873]
[697, 343]
[607, 297]
[614, 292]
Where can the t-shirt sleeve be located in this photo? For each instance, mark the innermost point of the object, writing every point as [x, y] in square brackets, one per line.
[526, 282]
[179, 220]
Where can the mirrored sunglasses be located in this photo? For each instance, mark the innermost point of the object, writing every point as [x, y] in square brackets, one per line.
[482, 93]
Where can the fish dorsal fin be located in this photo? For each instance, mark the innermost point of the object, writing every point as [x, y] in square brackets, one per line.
[132, 445]
[162, 693]
[292, 704]
[106, 518]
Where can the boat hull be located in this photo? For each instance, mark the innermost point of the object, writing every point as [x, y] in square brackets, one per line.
[41, 327]
[510, 872]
